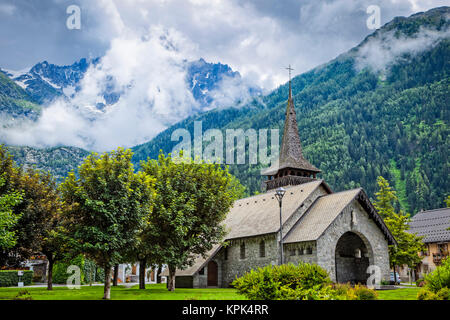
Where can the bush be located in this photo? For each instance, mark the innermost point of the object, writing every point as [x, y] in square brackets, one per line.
[425, 294]
[285, 282]
[364, 293]
[358, 292]
[443, 294]
[10, 278]
[439, 278]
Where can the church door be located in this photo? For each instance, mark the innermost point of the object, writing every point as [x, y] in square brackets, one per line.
[212, 274]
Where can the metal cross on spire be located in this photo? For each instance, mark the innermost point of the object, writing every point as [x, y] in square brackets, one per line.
[290, 88]
[290, 69]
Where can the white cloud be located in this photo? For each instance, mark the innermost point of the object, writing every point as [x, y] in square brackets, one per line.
[148, 41]
[380, 52]
[149, 72]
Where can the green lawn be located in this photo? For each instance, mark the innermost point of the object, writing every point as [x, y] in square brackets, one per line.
[398, 294]
[152, 292]
[159, 292]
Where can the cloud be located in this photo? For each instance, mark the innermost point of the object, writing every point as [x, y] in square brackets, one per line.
[384, 50]
[7, 9]
[150, 73]
[144, 46]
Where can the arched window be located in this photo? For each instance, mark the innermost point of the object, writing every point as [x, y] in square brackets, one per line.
[262, 249]
[243, 250]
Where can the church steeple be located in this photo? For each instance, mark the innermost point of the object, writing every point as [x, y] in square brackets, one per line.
[292, 168]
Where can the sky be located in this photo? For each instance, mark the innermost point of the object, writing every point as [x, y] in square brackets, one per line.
[143, 45]
[258, 38]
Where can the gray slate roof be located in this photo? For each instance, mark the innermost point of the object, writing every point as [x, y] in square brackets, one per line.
[260, 214]
[432, 224]
[320, 215]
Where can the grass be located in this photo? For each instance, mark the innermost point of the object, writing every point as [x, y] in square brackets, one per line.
[152, 292]
[398, 294]
[159, 292]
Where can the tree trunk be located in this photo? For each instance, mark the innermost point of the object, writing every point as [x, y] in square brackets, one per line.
[142, 264]
[158, 273]
[50, 274]
[171, 281]
[116, 275]
[107, 288]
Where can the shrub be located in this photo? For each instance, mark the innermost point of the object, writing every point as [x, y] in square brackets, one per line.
[285, 282]
[358, 292]
[364, 293]
[443, 294]
[342, 289]
[10, 278]
[439, 278]
[23, 295]
[425, 294]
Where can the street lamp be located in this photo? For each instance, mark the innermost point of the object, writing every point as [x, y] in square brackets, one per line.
[279, 195]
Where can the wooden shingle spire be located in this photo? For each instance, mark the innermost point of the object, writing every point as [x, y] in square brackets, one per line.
[291, 162]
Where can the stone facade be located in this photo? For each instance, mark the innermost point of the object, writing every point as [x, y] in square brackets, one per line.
[361, 233]
[356, 220]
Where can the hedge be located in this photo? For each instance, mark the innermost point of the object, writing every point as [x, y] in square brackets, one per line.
[10, 278]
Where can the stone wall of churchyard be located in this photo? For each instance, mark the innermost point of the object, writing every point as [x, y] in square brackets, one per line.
[300, 251]
[292, 220]
[232, 265]
[361, 224]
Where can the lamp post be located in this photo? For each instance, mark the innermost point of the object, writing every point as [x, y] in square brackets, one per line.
[279, 195]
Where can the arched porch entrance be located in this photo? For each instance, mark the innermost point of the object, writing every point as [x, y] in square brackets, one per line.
[352, 258]
[213, 274]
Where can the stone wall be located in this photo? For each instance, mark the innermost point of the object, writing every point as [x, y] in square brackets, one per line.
[234, 266]
[300, 251]
[362, 225]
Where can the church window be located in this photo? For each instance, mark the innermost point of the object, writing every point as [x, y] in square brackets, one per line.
[242, 250]
[262, 249]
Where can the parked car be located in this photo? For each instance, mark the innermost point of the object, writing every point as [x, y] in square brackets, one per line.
[392, 280]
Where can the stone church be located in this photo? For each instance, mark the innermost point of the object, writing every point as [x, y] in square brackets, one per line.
[340, 231]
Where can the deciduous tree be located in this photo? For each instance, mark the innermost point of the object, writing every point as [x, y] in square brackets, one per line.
[192, 199]
[108, 204]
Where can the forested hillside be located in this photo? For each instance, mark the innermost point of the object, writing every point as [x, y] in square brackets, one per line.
[359, 123]
[58, 161]
[356, 122]
[15, 102]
